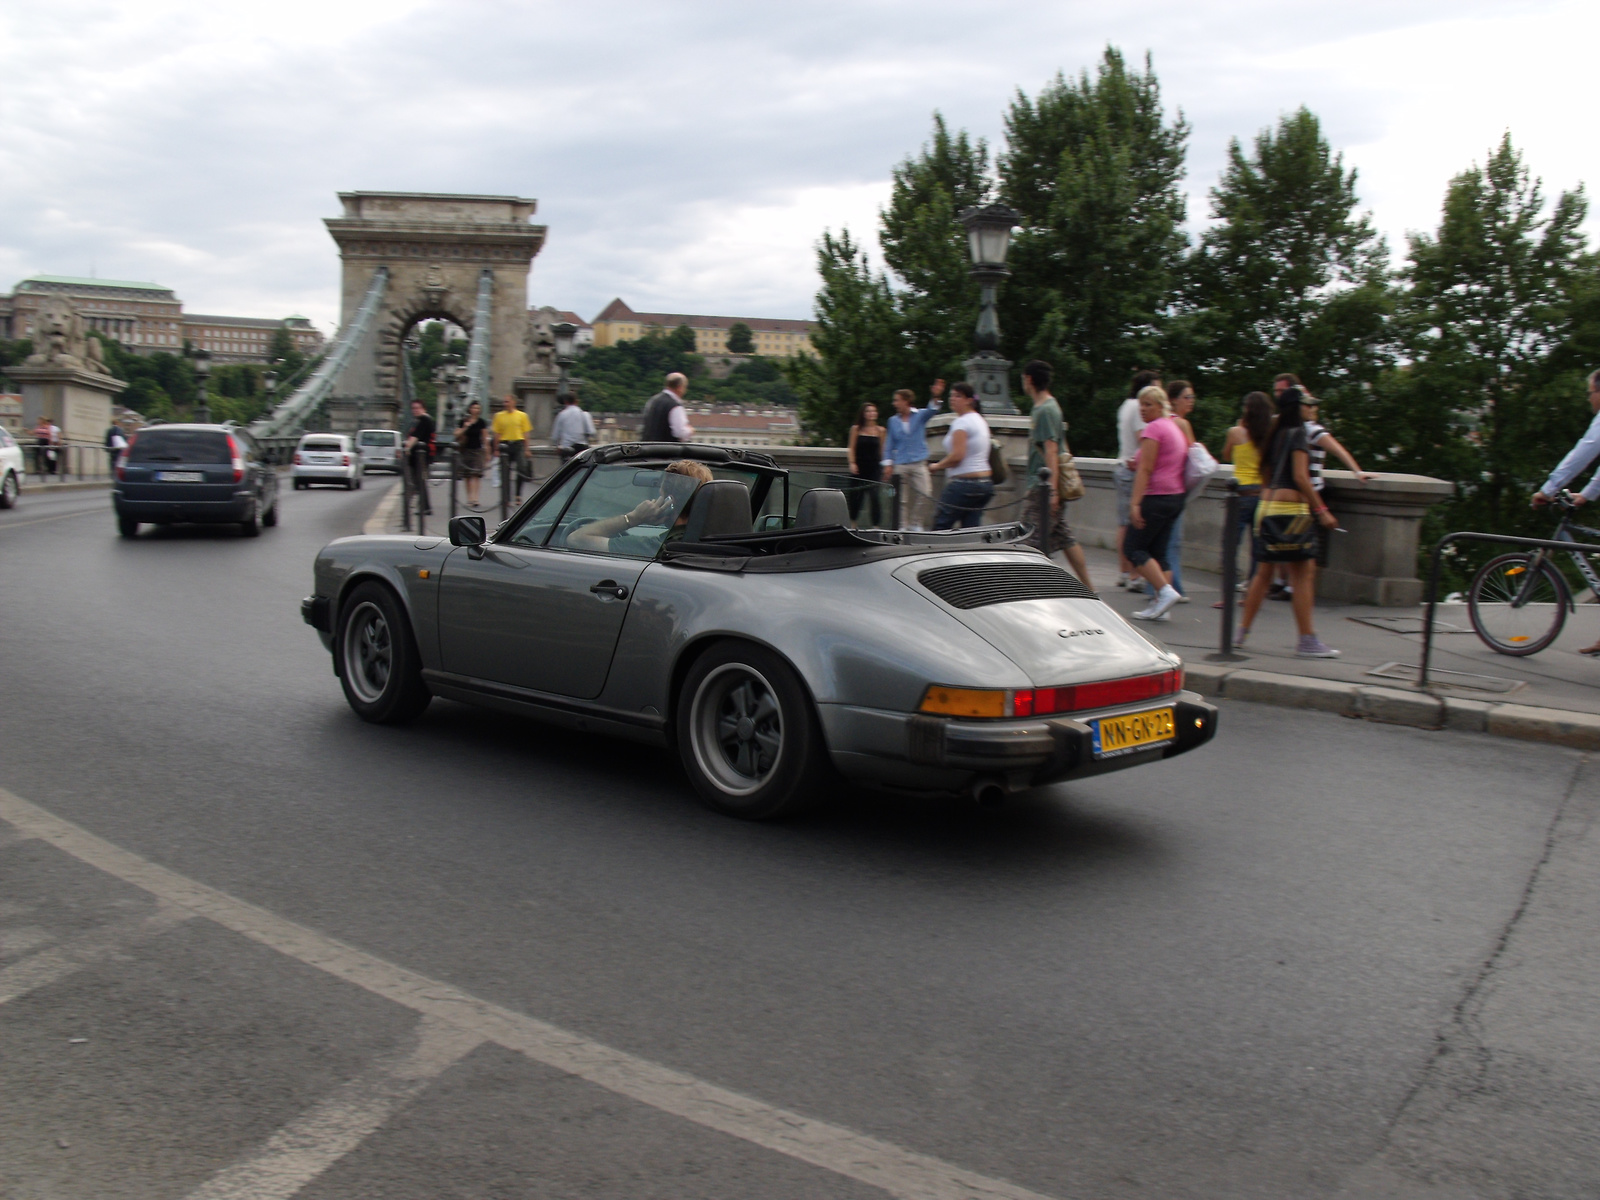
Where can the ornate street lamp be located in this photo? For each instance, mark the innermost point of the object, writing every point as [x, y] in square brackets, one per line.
[201, 361]
[988, 239]
[565, 333]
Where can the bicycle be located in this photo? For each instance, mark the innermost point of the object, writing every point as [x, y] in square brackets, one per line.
[1518, 602]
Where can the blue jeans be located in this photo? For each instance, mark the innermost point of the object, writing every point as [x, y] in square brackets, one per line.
[962, 502]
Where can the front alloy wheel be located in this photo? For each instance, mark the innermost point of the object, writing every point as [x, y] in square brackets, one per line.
[748, 735]
[378, 661]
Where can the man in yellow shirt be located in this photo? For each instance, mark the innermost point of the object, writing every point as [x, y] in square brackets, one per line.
[510, 433]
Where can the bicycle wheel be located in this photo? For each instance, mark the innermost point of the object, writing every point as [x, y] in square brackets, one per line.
[1513, 613]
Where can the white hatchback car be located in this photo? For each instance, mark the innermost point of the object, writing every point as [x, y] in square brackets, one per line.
[380, 449]
[12, 469]
[325, 458]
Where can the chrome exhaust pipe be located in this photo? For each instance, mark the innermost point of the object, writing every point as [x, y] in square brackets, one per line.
[987, 793]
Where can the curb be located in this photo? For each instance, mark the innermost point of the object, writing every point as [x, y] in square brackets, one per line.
[383, 516]
[1392, 706]
[44, 489]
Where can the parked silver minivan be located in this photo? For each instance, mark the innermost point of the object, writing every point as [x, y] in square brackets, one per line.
[380, 449]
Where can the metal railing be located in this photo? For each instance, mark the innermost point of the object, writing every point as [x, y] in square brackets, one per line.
[79, 461]
[478, 350]
[293, 412]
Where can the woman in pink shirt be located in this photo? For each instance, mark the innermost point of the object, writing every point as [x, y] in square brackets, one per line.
[1157, 502]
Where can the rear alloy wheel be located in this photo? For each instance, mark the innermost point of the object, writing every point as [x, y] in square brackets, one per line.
[378, 661]
[127, 527]
[10, 490]
[748, 735]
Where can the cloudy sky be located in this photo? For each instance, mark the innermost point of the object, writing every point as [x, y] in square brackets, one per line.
[686, 156]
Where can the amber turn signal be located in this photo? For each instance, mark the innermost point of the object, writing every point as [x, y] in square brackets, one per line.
[965, 702]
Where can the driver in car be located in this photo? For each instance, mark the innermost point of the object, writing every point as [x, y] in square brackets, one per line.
[609, 535]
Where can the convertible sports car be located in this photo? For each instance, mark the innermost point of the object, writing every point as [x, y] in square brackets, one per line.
[700, 598]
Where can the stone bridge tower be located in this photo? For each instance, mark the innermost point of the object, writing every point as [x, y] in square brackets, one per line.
[436, 248]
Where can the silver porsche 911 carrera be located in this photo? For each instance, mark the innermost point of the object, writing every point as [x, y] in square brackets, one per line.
[701, 598]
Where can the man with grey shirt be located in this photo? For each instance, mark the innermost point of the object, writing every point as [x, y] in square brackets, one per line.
[572, 427]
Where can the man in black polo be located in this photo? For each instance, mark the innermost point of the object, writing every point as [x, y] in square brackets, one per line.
[664, 418]
[418, 448]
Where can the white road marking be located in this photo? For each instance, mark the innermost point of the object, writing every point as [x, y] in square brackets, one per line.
[47, 966]
[336, 1125]
[894, 1169]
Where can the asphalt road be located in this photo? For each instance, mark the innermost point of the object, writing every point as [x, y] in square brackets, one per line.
[251, 947]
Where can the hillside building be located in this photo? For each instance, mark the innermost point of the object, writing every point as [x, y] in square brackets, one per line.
[774, 337]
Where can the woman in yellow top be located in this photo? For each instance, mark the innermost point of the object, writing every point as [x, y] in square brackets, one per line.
[1243, 447]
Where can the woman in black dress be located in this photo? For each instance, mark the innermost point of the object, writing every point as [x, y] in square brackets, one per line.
[866, 463]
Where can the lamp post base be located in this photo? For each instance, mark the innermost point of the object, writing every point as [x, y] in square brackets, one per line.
[990, 377]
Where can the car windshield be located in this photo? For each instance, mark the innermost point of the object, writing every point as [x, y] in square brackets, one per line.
[180, 446]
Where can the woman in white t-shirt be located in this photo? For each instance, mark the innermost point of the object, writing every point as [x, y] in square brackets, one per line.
[966, 457]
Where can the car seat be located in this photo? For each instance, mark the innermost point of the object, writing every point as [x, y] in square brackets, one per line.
[720, 508]
[822, 506]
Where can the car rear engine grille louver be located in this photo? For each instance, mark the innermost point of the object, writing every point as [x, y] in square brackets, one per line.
[975, 584]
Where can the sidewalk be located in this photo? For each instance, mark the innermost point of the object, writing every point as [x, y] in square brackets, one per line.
[35, 485]
[1375, 674]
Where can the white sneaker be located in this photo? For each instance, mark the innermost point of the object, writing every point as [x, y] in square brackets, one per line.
[1165, 599]
[1149, 614]
[1182, 599]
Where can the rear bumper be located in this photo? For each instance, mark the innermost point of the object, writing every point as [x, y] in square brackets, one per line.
[925, 753]
[320, 471]
[196, 512]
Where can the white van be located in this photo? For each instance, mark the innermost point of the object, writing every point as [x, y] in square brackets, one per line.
[380, 449]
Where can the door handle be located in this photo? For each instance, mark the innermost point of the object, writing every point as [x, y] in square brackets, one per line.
[610, 587]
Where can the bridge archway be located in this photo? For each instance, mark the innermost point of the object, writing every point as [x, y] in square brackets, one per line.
[436, 249]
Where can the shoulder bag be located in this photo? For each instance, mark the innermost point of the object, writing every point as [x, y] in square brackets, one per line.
[998, 471]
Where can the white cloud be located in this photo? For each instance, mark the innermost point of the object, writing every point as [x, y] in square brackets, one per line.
[686, 155]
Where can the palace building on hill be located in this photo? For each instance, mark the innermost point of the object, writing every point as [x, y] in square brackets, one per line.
[772, 336]
[148, 318]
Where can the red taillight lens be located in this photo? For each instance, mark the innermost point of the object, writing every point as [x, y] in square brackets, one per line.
[1042, 701]
[347, 460]
[297, 459]
[238, 459]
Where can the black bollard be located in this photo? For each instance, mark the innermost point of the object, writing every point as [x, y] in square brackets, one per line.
[405, 493]
[1230, 573]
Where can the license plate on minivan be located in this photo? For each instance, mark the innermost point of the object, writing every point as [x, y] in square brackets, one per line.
[180, 476]
[1136, 731]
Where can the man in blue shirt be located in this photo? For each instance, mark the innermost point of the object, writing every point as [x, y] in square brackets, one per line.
[906, 448]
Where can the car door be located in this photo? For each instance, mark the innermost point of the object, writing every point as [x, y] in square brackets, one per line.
[534, 612]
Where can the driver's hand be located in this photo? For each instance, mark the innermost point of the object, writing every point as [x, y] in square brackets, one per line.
[1579, 499]
[649, 511]
[1540, 499]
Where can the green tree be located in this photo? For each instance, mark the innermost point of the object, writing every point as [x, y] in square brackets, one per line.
[285, 357]
[1093, 166]
[740, 339]
[12, 354]
[857, 335]
[925, 247]
[1501, 306]
[621, 378]
[1289, 278]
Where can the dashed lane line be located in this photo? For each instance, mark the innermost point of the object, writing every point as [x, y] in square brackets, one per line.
[47, 966]
[336, 1125]
[894, 1169]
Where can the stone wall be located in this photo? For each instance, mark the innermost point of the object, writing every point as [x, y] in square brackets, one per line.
[1374, 563]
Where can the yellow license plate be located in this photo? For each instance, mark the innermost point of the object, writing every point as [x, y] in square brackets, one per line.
[1135, 731]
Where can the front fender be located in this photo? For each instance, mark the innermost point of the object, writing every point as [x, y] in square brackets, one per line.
[408, 566]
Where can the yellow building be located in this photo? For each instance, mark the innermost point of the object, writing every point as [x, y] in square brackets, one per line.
[774, 337]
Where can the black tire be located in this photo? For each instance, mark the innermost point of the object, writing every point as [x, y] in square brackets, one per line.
[127, 527]
[270, 517]
[297, 484]
[377, 658]
[748, 734]
[10, 490]
[357, 483]
[251, 525]
[1507, 627]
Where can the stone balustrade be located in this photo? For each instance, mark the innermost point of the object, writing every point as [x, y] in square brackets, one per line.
[1374, 563]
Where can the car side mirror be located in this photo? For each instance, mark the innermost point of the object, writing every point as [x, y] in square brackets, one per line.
[468, 531]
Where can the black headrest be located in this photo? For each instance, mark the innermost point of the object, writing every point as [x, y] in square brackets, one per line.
[822, 506]
[720, 508]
